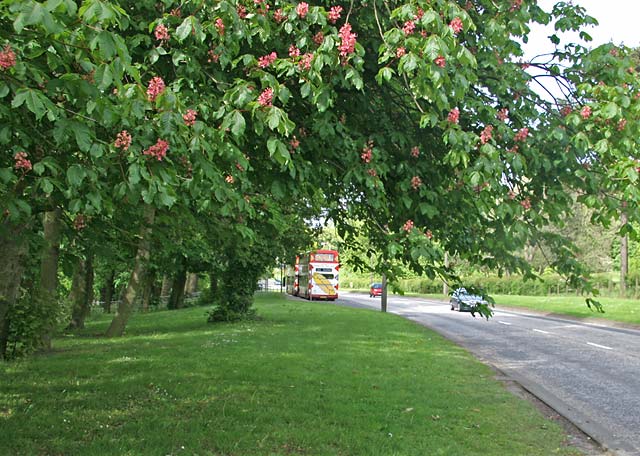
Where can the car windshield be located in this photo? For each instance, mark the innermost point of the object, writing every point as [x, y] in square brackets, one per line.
[376, 285]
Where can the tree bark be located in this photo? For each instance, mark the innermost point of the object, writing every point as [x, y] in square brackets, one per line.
[81, 292]
[147, 294]
[48, 292]
[166, 286]
[109, 291]
[14, 250]
[192, 284]
[624, 257]
[176, 301]
[383, 298]
[213, 285]
[125, 308]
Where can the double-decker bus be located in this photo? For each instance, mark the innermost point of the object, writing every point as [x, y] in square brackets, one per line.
[314, 275]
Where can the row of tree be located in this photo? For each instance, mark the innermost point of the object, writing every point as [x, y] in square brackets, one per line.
[201, 135]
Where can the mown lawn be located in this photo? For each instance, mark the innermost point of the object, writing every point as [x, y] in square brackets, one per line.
[623, 310]
[306, 379]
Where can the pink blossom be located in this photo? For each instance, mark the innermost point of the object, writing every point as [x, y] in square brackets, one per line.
[503, 114]
[123, 140]
[213, 57]
[409, 27]
[454, 116]
[334, 14]
[347, 41]
[220, 26]
[408, 225]
[302, 9]
[294, 51]
[415, 152]
[295, 143]
[266, 60]
[156, 87]
[486, 134]
[279, 15]
[526, 203]
[305, 61]
[420, 13]
[440, 61]
[79, 222]
[565, 111]
[266, 97]
[400, 52]
[416, 182]
[242, 11]
[456, 25]
[190, 117]
[158, 150]
[511, 195]
[7, 58]
[621, 124]
[366, 155]
[22, 162]
[229, 179]
[162, 32]
[372, 172]
[522, 135]
[585, 112]
[318, 38]
[515, 4]
[429, 234]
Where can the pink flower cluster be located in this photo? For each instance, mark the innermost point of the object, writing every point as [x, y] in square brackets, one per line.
[7, 57]
[409, 27]
[565, 111]
[123, 140]
[242, 11]
[22, 162]
[279, 15]
[79, 222]
[295, 143]
[302, 9]
[400, 52]
[367, 153]
[266, 60]
[515, 4]
[486, 134]
[220, 26]
[585, 112]
[408, 225]
[347, 41]
[156, 87]
[229, 179]
[415, 151]
[522, 135]
[456, 25]
[266, 97]
[158, 150]
[440, 61]
[454, 116]
[190, 117]
[305, 61]
[162, 32]
[372, 172]
[526, 203]
[503, 114]
[622, 123]
[416, 182]
[334, 14]
[294, 51]
[318, 38]
[429, 234]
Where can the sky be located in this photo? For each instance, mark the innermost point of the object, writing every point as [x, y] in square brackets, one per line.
[618, 22]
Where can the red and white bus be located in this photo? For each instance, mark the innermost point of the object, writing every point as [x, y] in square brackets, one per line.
[314, 275]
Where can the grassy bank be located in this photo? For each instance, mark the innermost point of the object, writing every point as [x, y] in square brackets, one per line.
[306, 379]
[623, 310]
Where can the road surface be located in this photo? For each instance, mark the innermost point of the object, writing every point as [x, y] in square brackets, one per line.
[588, 373]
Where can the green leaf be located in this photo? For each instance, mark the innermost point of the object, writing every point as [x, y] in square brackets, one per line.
[610, 110]
[75, 175]
[33, 100]
[46, 185]
[184, 29]
[83, 136]
[238, 123]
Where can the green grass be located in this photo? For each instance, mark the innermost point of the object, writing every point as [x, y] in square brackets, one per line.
[623, 310]
[306, 379]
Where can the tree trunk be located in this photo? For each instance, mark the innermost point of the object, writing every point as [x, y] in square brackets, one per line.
[81, 292]
[166, 286]
[445, 284]
[192, 284]
[147, 294]
[213, 285]
[14, 250]
[624, 258]
[48, 292]
[176, 301]
[109, 291]
[383, 298]
[125, 308]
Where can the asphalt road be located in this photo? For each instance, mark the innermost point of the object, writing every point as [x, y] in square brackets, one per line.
[588, 373]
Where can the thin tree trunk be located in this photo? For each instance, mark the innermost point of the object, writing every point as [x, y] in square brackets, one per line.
[81, 292]
[125, 308]
[624, 257]
[176, 301]
[48, 292]
[109, 291]
[213, 285]
[14, 250]
[147, 293]
[383, 298]
[192, 284]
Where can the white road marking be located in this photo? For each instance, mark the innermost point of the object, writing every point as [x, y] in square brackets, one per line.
[599, 346]
[504, 323]
[541, 331]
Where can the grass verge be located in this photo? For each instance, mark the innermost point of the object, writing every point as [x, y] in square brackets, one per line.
[306, 379]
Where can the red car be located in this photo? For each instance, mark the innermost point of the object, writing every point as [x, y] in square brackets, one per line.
[375, 290]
